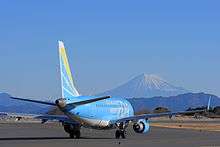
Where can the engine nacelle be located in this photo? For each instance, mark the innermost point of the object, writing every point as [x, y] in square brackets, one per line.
[142, 126]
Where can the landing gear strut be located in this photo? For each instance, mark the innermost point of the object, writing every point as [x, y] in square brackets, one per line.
[121, 131]
[72, 130]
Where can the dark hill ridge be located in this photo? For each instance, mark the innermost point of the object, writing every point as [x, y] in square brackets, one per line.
[175, 103]
[145, 86]
[15, 106]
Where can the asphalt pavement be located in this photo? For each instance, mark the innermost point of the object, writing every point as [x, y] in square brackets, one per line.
[53, 135]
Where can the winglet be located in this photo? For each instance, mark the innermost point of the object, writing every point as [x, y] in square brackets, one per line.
[209, 102]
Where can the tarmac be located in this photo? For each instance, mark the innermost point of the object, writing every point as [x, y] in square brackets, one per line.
[53, 135]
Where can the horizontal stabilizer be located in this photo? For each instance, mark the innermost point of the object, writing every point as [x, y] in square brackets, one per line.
[71, 104]
[89, 101]
[35, 101]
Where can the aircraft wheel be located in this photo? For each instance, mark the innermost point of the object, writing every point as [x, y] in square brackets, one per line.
[72, 135]
[117, 134]
[75, 134]
[120, 133]
[123, 134]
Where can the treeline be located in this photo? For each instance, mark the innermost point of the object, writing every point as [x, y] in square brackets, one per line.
[213, 112]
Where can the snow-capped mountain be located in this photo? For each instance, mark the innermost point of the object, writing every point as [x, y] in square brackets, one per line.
[146, 86]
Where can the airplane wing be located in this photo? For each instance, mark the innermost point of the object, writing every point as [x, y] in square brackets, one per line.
[43, 118]
[60, 118]
[147, 116]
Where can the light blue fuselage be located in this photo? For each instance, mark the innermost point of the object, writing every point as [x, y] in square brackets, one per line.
[101, 114]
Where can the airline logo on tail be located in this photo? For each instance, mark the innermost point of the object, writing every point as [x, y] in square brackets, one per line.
[68, 88]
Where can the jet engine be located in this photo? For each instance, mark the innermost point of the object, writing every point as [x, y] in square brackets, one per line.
[141, 126]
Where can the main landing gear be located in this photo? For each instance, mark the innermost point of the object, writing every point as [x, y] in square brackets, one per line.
[73, 130]
[121, 131]
[75, 134]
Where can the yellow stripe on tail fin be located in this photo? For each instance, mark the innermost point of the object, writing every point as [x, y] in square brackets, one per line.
[68, 88]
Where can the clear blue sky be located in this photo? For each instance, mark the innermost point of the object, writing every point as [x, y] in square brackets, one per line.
[108, 43]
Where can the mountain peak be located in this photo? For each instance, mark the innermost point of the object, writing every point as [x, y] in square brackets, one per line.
[146, 85]
[151, 81]
[148, 76]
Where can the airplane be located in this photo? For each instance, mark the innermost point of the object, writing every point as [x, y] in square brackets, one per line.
[96, 112]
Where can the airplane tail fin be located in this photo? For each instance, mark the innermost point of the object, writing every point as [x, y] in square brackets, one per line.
[67, 85]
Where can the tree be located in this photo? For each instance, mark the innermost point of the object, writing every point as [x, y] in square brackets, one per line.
[161, 110]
